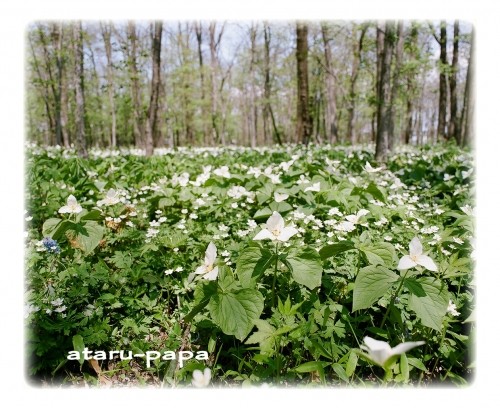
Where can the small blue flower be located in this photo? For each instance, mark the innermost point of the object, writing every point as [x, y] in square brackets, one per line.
[51, 245]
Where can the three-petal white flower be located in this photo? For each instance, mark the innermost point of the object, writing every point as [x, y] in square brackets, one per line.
[416, 257]
[380, 351]
[279, 197]
[275, 229]
[369, 169]
[71, 207]
[208, 270]
[110, 199]
[201, 379]
[355, 218]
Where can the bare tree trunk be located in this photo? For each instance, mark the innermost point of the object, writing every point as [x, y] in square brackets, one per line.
[331, 106]
[380, 51]
[357, 47]
[469, 98]
[155, 88]
[253, 102]
[186, 85]
[199, 39]
[79, 79]
[217, 136]
[454, 130]
[106, 36]
[303, 129]
[384, 114]
[135, 87]
[410, 87]
[395, 82]
[443, 89]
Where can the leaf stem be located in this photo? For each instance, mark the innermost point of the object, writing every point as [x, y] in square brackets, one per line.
[392, 299]
[274, 277]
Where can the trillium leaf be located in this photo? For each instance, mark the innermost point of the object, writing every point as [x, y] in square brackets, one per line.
[306, 267]
[431, 307]
[381, 253]
[334, 249]
[79, 345]
[376, 192]
[235, 312]
[281, 207]
[371, 284]
[85, 236]
[55, 228]
[263, 213]
[251, 264]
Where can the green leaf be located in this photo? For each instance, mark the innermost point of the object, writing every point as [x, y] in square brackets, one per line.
[403, 366]
[376, 192]
[381, 253]
[263, 213]
[93, 215]
[415, 362]
[282, 207]
[371, 284]
[339, 370]
[312, 366]
[429, 300]
[334, 249]
[251, 264]
[203, 292]
[79, 345]
[351, 363]
[86, 236]
[236, 312]
[55, 228]
[306, 267]
[266, 336]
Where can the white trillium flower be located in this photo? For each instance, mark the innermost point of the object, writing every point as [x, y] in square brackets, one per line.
[354, 218]
[208, 270]
[279, 197]
[71, 207]
[369, 169]
[201, 379]
[380, 351]
[315, 187]
[416, 257]
[275, 229]
[110, 199]
[452, 309]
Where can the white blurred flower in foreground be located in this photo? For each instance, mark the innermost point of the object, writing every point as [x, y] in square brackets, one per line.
[110, 199]
[275, 229]
[416, 257]
[315, 187]
[71, 207]
[355, 218]
[369, 169]
[201, 379]
[452, 309]
[208, 270]
[380, 351]
[279, 197]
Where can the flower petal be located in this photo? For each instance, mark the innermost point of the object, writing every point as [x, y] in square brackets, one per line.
[210, 254]
[427, 263]
[64, 209]
[200, 270]
[415, 247]
[287, 233]
[406, 263]
[264, 234]
[71, 200]
[212, 275]
[404, 347]
[275, 222]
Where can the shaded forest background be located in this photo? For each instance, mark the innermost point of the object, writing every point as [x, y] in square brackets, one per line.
[168, 84]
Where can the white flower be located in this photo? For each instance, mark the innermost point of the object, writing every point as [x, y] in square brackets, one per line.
[57, 302]
[380, 351]
[452, 309]
[208, 270]
[354, 218]
[201, 379]
[416, 257]
[468, 210]
[222, 172]
[71, 207]
[369, 169]
[169, 272]
[276, 230]
[315, 187]
[279, 197]
[110, 199]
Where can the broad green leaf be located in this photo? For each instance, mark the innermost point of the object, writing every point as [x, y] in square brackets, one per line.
[381, 253]
[339, 370]
[86, 237]
[312, 366]
[403, 366]
[429, 300]
[90, 215]
[252, 263]
[203, 292]
[263, 213]
[266, 336]
[371, 284]
[282, 207]
[376, 192]
[415, 362]
[79, 345]
[166, 202]
[55, 228]
[306, 267]
[236, 312]
[334, 249]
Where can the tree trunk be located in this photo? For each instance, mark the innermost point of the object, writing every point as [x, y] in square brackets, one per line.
[410, 86]
[357, 47]
[443, 89]
[454, 130]
[469, 98]
[79, 79]
[217, 136]
[384, 113]
[331, 106]
[303, 129]
[106, 36]
[395, 82]
[199, 39]
[135, 86]
[155, 88]
[253, 101]
[378, 82]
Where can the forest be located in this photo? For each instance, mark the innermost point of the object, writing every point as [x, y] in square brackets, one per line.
[250, 203]
[191, 83]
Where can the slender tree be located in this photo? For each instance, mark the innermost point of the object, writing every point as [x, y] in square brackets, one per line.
[79, 83]
[106, 36]
[331, 106]
[454, 129]
[303, 128]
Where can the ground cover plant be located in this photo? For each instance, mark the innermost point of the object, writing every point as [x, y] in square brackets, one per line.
[289, 266]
